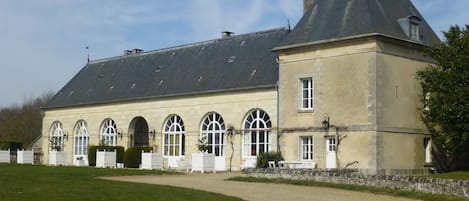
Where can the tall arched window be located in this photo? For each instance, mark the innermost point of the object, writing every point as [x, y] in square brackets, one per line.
[81, 139]
[109, 132]
[173, 140]
[213, 132]
[57, 136]
[257, 126]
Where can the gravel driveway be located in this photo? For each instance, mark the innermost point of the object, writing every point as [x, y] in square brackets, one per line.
[255, 191]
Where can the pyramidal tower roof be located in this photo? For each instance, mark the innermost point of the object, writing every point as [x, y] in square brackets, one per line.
[327, 20]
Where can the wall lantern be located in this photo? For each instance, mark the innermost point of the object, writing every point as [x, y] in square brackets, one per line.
[326, 122]
[119, 133]
[152, 133]
[65, 135]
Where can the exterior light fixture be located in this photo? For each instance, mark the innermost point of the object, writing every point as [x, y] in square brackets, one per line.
[65, 135]
[152, 133]
[119, 133]
[326, 122]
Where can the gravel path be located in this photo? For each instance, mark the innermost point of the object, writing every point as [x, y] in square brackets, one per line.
[256, 191]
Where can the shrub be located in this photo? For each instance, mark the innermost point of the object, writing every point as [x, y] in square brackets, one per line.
[133, 156]
[92, 153]
[13, 146]
[264, 158]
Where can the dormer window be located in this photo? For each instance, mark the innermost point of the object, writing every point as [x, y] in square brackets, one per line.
[410, 26]
[414, 32]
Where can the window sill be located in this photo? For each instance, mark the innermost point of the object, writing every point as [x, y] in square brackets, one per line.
[305, 110]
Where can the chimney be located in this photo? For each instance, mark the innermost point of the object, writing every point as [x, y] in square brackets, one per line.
[227, 34]
[306, 5]
[133, 51]
[137, 51]
[127, 52]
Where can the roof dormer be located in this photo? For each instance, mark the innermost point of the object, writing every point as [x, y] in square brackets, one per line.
[410, 26]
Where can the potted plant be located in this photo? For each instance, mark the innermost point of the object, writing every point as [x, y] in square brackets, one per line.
[203, 161]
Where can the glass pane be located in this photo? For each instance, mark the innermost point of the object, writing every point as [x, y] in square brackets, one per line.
[261, 137]
[253, 150]
[261, 148]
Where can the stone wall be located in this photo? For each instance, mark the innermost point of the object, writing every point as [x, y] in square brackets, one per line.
[408, 183]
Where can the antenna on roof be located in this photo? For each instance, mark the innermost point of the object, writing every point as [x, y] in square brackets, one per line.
[88, 52]
[289, 28]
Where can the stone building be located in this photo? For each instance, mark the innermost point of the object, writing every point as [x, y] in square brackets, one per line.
[336, 91]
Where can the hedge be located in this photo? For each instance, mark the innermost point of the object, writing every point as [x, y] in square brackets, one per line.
[264, 158]
[133, 156]
[92, 153]
[12, 145]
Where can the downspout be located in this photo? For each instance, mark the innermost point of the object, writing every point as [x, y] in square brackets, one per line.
[278, 116]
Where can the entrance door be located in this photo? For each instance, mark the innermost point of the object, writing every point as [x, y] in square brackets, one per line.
[331, 155]
[219, 149]
[140, 130]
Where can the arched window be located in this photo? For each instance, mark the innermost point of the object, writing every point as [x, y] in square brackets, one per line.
[173, 140]
[57, 136]
[109, 132]
[257, 126]
[213, 133]
[81, 139]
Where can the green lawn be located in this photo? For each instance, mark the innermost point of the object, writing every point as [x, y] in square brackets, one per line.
[28, 182]
[463, 175]
[383, 191]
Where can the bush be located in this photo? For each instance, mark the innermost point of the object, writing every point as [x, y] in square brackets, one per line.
[13, 146]
[133, 156]
[92, 153]
[264, 158]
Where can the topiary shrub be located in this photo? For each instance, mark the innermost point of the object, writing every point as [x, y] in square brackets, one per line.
[264, 158]
[133, 156]
[92, 153]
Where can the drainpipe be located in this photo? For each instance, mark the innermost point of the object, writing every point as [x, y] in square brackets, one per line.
[278, 116]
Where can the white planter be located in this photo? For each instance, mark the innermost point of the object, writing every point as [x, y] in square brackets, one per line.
[25, 157]
[57, 158]
[151, 161]
[106, 159]
[203, 162]
[5, 156]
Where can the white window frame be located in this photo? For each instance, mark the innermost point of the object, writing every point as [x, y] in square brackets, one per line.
[109, 132]
[213, 129]
[81, 138]
[307, 149]
[257, 124]
[57, 136]
[173, 137]
[306, 94]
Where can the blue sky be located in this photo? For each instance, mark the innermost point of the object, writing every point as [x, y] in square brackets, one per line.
[43, 42]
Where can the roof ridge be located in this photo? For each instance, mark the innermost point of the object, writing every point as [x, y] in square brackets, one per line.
[166, 49]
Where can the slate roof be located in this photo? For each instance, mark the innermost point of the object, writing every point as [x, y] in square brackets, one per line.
[335, 19]
[234, 63]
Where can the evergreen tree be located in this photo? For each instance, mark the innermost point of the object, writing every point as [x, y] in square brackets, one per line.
[446, 99]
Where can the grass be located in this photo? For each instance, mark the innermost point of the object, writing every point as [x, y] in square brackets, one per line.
[382, 191]
[461, 175]
[28, 182]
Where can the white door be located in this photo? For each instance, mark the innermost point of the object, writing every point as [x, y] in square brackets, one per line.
[331, 155]
[219, 150]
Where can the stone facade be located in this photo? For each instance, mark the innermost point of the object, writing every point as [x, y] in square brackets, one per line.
[367, 91]
[233, 107]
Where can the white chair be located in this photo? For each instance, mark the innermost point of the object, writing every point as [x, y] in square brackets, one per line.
[271, 164]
